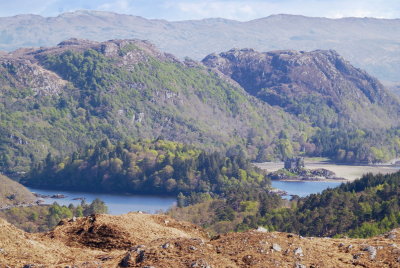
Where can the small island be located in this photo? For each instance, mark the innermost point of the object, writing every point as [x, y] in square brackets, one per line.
[295, 170]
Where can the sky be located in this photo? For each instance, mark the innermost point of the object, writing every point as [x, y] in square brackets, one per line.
[174, 10]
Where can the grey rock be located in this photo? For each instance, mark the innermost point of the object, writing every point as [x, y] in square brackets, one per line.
[141, 257]
[262, 229]
[391, 236]
[371, 250]
[125, 262]
[299, 251]
[276, 247]
[357, 256]
[299, 265]
[200, 264]
[165, 246]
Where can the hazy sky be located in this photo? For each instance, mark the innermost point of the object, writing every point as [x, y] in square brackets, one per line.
[198, 9]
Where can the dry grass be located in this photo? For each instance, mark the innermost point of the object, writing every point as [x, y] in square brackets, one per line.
[10, 188]
[160, 241]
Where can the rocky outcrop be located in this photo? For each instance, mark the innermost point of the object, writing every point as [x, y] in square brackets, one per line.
[307, 83]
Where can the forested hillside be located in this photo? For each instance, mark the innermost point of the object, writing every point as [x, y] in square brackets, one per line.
[67, 97]
[363, 208]
[149, 167]
[74, 95]
[356, 117]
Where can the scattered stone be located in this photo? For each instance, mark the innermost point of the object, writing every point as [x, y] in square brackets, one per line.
[105, 258]
[137, 249]
[276, 247]
[149, 267]
[28, 266]
[357, 256]
[141, 257]
[248, 260]
[391, 236]
[348, 248]
[166, 222]
[299, 251]
[125, 262]
[165, 246]
[371, 250]
[2, 251]
[74, 219]
[192, 248]
[262, 229]
[341, 245]
[200, 264]
[299, 265]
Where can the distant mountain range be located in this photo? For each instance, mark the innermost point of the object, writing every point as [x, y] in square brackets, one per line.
[273, 105]
[372, 44]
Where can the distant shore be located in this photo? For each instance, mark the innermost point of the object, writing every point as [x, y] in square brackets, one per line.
[348, 172]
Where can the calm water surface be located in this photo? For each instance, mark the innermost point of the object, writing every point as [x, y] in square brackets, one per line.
[120, 204]
[117, 204]
[303, 188]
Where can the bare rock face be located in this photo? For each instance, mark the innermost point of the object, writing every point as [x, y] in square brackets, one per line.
[321, 78]
[27, 74]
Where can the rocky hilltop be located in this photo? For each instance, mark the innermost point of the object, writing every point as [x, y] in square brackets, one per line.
[371, 44]
[59, 99]
[141, 240]
[81, 91]
[319, 85]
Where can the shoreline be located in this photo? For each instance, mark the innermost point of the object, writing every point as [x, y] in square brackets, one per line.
[322, 180]
[349, 172]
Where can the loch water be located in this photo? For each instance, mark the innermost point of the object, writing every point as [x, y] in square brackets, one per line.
[117, 203]
[303, 188]
[120, 204]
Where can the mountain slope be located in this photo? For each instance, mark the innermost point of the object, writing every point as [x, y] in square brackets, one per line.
[372, 44]
[310, 83]
[13, 193]
[140, 240]
[63, 98]
[353, 111]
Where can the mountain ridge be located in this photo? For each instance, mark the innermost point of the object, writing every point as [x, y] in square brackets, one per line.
[366, 42]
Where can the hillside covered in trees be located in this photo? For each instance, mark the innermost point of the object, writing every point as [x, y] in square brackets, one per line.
[67, 97]
[151, 167]
[45, 217]
[363, 208]
[80, 92]
[355, 117]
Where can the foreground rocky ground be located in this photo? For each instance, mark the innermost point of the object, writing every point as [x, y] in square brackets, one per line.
[142, 240]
